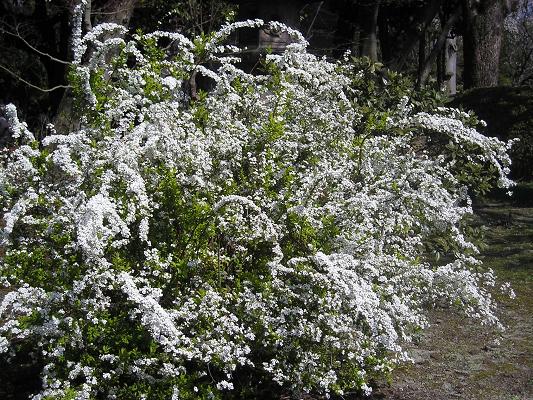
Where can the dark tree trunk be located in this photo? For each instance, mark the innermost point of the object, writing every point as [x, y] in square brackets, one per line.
[421, 24]
[440, 68]
[346, 36]
[385, 39]
[368, 15]
[483, 31]
[116, 11]
[356, 41]
[421, 55]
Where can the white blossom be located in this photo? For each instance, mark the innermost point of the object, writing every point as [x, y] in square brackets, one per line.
[250, 229]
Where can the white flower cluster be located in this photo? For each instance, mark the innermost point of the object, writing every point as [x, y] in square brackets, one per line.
[181, 243]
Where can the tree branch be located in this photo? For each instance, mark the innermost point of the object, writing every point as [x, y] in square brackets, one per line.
[18, 35]
[31, 84]
[314, 19]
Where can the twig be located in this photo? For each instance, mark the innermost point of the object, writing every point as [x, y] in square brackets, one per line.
[31, 84]
[314, 19]
[18, 35]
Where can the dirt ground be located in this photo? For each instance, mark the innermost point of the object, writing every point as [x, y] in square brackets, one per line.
[459, 359]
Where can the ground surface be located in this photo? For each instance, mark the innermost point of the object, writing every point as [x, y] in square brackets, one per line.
[459, 359]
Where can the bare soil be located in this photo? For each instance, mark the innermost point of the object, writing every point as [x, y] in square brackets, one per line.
[458, 358]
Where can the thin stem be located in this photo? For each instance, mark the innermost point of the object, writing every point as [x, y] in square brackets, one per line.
[314, 19]
[18, 35]
[31, 84]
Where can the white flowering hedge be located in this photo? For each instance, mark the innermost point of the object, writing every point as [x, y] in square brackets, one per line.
[278, 231]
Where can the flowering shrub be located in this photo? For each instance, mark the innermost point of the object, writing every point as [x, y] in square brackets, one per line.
[277, 230]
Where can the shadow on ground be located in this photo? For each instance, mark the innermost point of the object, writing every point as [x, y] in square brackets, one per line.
[458, 358]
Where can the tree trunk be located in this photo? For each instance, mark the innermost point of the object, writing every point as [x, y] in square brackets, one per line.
[356, 42]
[369, 24]
[421, 55]
[440, 67]
[450, 54]
[117, 11]
[437, 47]
[412, 39]
[385, 40]
[483, 30]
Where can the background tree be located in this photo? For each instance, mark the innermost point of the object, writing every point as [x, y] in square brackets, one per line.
[517, 48]
[415, 37]
[483, 34]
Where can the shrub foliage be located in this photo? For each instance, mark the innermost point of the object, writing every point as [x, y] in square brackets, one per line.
[281, 230]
